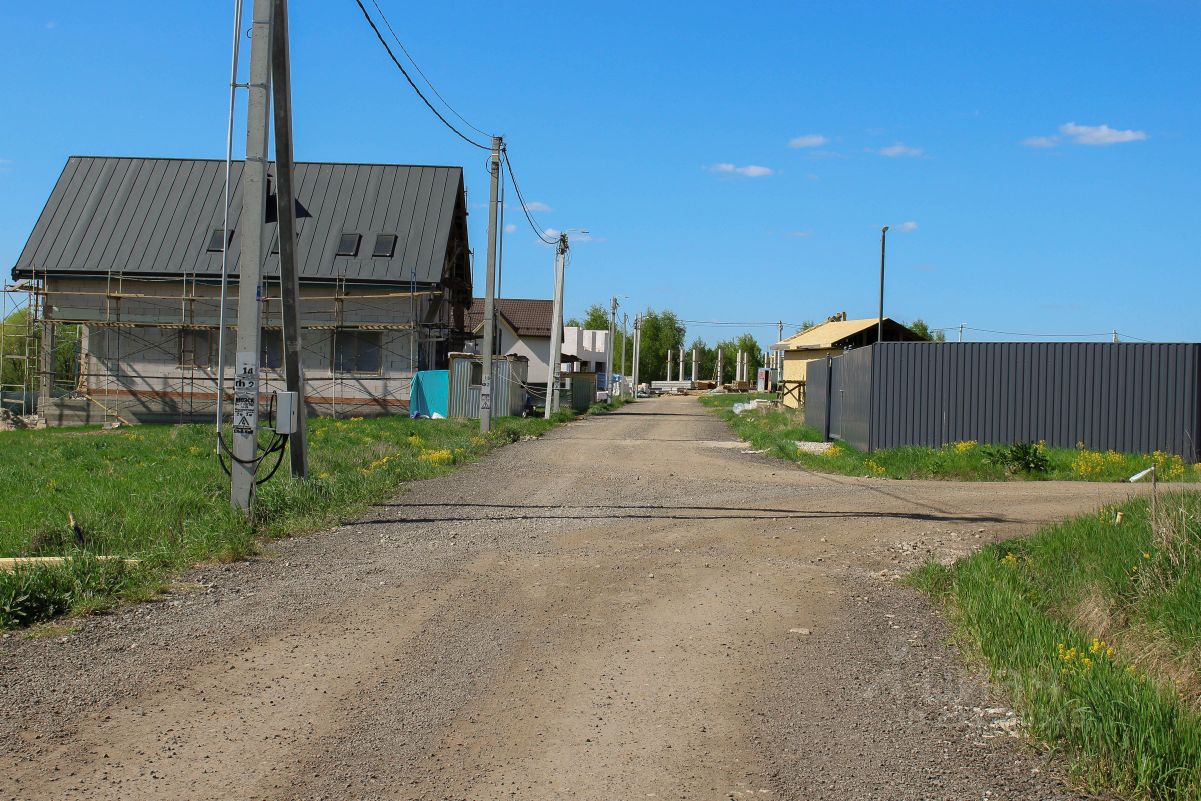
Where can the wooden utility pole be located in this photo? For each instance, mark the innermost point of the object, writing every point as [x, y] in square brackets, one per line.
[490, 293]
[250, 261]
[285, 206]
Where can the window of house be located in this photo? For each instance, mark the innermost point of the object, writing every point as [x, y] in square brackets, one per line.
[385, 246]
[217, 241]
[348, 244]
[196, 347]
[358, 351]
[273, 350]
[477, 373]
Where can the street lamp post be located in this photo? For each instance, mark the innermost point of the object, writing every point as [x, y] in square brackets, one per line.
[880, 322]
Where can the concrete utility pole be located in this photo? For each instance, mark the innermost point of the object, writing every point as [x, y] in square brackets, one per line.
[556, 331]
[681, 367]
[880, 323]
[720, 382]
[637, 350]
[285, 205]
[780, 338]
[696, 364]
[612, 343]
[250, 262]
[625, 319]
[490, 293]
[669, 364]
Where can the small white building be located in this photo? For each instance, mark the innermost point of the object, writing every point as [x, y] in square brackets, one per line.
[590, 348]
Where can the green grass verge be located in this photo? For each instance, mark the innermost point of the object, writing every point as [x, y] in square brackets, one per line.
[157, 494]
[777, 430]
[1093, 629]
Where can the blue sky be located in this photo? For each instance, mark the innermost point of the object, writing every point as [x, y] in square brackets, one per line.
[1038, 162]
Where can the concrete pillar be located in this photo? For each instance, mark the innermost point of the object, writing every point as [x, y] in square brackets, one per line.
[669, 353]
[681, 371]
[695, 365]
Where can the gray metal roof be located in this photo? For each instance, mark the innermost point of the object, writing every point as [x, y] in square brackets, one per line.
[150, 216]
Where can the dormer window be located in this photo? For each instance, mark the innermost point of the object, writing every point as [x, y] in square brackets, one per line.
[348, 245]
[385, 246]
[217, 241]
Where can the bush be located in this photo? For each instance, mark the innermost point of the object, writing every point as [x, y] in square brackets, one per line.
[1020, 457]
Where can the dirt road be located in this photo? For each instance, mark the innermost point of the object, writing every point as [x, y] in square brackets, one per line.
[629, 607]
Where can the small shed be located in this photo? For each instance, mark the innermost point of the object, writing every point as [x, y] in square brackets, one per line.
[466, 379]
[831, 338]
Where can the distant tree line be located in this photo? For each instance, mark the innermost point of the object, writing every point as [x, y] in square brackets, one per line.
[662, 331]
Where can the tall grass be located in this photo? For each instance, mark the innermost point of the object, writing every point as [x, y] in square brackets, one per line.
[777, 431]
[1092, 628]
[158, 495]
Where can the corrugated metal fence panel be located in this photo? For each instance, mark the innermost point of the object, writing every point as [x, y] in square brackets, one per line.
[508, 387]
[852, 401]
[816, 382]
[1131, 397]
[459, 402]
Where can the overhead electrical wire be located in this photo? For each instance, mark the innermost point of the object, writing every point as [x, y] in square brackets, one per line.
[521, 199]
[416, 66]
[412, 83]
[504, 153]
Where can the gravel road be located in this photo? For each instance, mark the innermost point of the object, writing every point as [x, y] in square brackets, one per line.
[629, 607]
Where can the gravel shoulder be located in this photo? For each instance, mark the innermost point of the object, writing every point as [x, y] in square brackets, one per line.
[630, 606]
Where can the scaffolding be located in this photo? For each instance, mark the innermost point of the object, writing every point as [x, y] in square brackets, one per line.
[120, 322]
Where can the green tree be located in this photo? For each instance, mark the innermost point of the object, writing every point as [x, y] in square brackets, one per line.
[17, 345]
[920, 328]
[596, 318]
[661, 331]
[729, 356]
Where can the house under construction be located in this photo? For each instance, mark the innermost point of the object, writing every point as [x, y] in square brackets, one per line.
[122, 280]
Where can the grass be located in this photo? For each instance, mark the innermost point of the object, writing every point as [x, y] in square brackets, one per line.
[1093, 629]
[157, 494]
[777, 430]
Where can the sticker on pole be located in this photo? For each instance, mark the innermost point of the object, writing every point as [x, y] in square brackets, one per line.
[246, 394]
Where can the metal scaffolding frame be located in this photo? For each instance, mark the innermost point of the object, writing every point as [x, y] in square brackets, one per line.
[105, 380]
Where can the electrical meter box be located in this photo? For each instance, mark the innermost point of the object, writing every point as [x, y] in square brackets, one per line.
[285, 412]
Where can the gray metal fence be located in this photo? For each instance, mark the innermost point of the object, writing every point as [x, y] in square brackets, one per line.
[1129, 397]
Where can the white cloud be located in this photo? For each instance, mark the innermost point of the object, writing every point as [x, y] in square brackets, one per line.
[906, 227]
[1041, 141]
[574, 237]
[537, 205]
[1086, 135]
[510, 228]
[750, 170]
[800, 234]
[899, 149]
[1099, 134]
[808, 140]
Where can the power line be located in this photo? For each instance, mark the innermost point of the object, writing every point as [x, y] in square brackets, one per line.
[416, 66]
[1041, 336]
[413, 84]
[521, 199]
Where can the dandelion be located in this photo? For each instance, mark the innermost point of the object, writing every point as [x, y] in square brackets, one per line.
[1010, 559]
[967, 446]
[437, 458]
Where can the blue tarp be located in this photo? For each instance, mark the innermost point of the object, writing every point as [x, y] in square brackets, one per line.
[429, 394]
